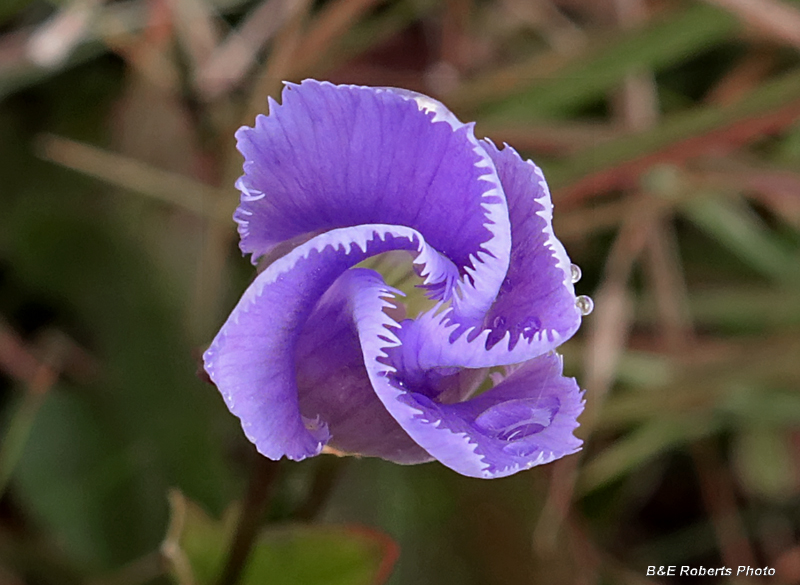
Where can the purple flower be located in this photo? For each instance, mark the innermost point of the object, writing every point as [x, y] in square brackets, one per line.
[311, 357]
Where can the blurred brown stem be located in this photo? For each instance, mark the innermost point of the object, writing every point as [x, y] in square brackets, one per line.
[263, 476]
[667, 282]
[720, 500]
[328, 471]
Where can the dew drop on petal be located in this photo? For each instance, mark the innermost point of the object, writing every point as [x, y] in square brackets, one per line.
[521, 449]
[585, 304]
[575, 273]
[517, 419]
[499, 322]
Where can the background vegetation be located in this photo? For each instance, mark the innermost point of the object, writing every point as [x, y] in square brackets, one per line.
[670, 133]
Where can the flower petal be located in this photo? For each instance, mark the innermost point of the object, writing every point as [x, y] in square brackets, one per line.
[337, 156]
[535, 310]
[524, 421]
[252, 358]
[333, 383]
[537, 293]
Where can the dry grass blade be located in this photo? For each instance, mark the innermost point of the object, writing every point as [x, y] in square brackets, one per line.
[510, 79]
[454, 44]
[753, 308]
[281, 64]
[53, 42]
[582, 222]
[331, 23]
[553, 139]
[197, 29]
[668, 285]
[720, 500]
[171, 550]
[13, 49]
[546, 84]
[149, 50]
[752, 70]
[163, 186]
[234, 57]
[687, 136]
[141, 571]
[701, 382]
[546, 18]
[776, 188]
[776, 19]
[21, 362]
[607, 339]
[15, 359]
[636, 102]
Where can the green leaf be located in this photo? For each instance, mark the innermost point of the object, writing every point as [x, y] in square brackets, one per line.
[80, 482]
[195, 544]
[319, 555]
[762, 458]
[196, 547]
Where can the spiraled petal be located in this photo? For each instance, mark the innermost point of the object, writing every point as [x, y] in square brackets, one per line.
[252, 358]
[336, 156]
[333, 383]
[526, 420]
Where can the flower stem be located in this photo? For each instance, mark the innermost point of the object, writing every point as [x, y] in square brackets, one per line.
[327, 474]
[263, 476]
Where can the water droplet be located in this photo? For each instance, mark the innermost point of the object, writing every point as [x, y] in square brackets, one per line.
[575, 273]
[499, 322]
[585, 304]
[521, 449]
[517, 419]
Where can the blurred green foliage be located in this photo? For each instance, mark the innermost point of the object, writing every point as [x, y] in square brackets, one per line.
[195, 548]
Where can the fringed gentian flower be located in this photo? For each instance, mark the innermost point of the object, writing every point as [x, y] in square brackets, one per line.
[311, 356]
